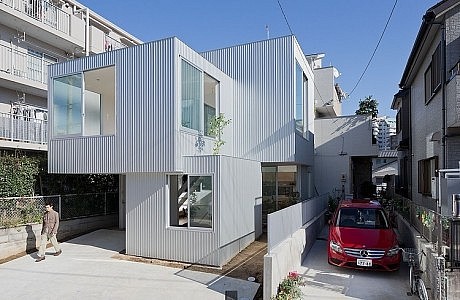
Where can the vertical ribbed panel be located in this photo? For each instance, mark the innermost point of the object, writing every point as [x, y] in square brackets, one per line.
[263, 71]
[148, 135]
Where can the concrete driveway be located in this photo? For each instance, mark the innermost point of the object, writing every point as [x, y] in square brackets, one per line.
[329, 282]
[86, 270]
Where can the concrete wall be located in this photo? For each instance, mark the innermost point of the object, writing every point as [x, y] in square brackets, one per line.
[17, 240]
[288, 256]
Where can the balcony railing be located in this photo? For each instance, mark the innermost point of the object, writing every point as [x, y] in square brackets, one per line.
[19, 128]
[112, 44]
[24, 65]
[454, 71]
[42, 11]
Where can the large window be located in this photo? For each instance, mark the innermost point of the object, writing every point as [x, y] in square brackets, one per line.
[67, 105]
[426, 170]
[190, 201]
[200, 94]
[301, 119]
[84, 104]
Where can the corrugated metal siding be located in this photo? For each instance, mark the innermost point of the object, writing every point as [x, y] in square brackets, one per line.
[146, 231]
[263, 92]
[148, 137]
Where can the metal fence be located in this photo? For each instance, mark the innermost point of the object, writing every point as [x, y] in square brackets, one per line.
[23, 210]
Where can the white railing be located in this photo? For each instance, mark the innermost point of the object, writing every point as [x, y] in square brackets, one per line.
[42, 11]
[23, 129]
[24, 65]
[112, 44]
[282, 224]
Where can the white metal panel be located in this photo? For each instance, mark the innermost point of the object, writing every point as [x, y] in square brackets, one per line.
[264, 94]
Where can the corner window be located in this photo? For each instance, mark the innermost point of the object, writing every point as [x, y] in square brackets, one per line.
[84, 104]
[301, 88]
[190, 201]
[200, 94]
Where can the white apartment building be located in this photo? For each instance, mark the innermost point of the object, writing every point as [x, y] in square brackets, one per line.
[383, 128]
[34, 34]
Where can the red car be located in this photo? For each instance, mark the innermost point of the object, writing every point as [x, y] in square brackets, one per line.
[361, 237]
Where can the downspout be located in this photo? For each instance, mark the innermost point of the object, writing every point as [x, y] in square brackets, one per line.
[443, 84]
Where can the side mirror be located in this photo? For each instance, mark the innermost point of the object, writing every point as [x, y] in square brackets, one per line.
[329, 222]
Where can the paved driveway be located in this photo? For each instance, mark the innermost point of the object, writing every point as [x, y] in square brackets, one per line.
[86, 270]
[329, 282]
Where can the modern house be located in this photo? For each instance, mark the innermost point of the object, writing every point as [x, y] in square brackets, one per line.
[428, 104]
[33, 35]
[144, 112]
[344, 146]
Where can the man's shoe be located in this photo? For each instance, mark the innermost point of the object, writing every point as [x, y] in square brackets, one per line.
[40, 258]
[58, 253]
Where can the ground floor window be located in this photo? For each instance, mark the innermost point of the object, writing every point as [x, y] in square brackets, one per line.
[190, 201]
[280, 187]
[426, 170]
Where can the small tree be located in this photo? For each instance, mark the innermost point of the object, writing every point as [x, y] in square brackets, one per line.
[368, 106]
[216, 129]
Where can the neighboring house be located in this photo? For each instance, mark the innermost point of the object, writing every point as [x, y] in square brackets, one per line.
[384, 169]
[343, 155]
[143, 112]
[344, 146]
[428, 104]
[33, 35]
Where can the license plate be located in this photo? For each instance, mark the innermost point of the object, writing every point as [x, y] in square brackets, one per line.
[364, 262]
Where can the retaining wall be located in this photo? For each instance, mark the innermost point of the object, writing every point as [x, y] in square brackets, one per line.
[25, 238]
[288, 255]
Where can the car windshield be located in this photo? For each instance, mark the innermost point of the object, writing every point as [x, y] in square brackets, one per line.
[368, 218]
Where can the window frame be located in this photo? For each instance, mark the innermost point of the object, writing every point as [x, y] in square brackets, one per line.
[202, 110]
[427, 168]
[168, 206]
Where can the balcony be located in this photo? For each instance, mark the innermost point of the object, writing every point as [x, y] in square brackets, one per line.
[43, 12]
[46, 22]
[453, 100]
[31, 132]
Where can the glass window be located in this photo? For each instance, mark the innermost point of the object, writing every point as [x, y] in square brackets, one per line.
[301, 87]
[191, 201]
[200, 94]
[211, 90]
[191, 96]
[365, 218]
[93, 106]
[67, 105]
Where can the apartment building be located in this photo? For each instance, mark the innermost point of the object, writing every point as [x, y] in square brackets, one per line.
[33, 35]
[383, 128]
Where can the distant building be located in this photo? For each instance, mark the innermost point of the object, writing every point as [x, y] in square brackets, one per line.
[383, 128]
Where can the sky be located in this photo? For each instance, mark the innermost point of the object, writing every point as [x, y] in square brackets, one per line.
[347, 32]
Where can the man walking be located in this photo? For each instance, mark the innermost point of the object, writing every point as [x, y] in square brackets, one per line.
[49, 230]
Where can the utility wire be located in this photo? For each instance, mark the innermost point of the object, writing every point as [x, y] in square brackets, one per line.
[375, 50]
[285, 18]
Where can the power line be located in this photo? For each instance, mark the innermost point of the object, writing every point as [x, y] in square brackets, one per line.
[375, 50]
[285, 18]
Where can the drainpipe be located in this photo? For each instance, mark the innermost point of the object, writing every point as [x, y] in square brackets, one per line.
[443, 86]
[87, 32]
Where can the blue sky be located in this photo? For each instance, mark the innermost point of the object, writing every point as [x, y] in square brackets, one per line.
[346, 31]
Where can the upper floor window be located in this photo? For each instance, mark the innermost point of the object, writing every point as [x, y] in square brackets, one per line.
[301, 100]
[433, 74]
[84, 103]
[200, 93]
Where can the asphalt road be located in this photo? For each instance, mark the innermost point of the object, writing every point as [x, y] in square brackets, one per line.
[325, 281]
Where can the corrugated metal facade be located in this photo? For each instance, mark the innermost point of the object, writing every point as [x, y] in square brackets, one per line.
[148, 137]
[264, 93]
[236, 185]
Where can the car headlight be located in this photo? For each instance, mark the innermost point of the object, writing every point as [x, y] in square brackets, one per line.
[393, 251]
[336, 247]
